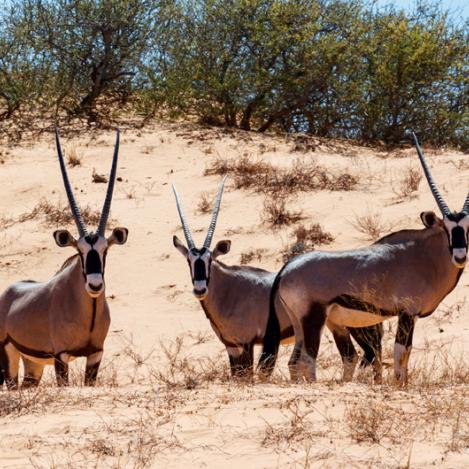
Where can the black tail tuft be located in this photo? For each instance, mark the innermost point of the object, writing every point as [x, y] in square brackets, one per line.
[272, 336]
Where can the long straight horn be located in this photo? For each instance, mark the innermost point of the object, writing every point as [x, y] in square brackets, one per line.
[466, 205]
[436, 193]
[68, 189]
[216, 209]
[110, 188]
[185, 226]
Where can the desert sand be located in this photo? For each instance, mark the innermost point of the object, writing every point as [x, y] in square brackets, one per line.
[164, 398]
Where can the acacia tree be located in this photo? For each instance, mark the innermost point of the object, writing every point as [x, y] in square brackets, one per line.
[95, 45]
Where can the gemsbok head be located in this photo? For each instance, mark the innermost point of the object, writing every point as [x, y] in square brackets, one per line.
[455, 224]
[200, 259]
[91, 246]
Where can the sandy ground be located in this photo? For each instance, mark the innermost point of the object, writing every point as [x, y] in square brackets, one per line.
[164, 397]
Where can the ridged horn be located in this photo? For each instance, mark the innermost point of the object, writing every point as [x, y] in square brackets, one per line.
[185, 226]
[466, 205]
[436, 193]
[110, 188]
[216, 209]
[68, 189]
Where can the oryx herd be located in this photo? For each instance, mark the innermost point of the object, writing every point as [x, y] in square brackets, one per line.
[405, 274]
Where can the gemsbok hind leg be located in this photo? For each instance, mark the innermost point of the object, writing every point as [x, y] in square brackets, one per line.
[312, 326]
[403, 346]
[32, 373]
[10, 361]
[346, 349]
[369, 339]
[92, 366]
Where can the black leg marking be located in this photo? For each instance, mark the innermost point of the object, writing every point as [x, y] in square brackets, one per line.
[91, 373]
[61, 371]
[405, 330]
[3, 364]
[30, 382]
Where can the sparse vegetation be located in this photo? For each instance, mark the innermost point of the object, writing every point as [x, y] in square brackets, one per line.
[409, 183]
[306, 239]
[276, 213]
[252, 255]
[73, 157]
[371, 225]
[205, 204]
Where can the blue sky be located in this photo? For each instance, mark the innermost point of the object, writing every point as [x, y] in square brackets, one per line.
[459, 8]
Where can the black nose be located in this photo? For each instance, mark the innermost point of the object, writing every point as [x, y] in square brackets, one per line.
[200, 292]
[460, 260]
[96, 287]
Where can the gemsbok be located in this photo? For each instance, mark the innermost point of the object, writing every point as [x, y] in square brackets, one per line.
[405, 274]
[236, 301]
[66, 317]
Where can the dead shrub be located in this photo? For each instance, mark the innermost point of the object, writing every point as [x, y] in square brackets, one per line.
[73, 157]
[370, 225]
[59, 214]
[98, 178]
[409, 184]
[276, 213]
[253, 254]
[204, 205]
[306, 239]
[262, 177]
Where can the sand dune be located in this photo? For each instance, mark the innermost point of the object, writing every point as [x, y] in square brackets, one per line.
[165, 398]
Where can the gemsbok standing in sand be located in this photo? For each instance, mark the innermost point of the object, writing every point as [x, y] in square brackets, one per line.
[68, 316]
[236, 300]
[405, 274]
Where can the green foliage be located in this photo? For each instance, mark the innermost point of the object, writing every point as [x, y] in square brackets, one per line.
[326, 67]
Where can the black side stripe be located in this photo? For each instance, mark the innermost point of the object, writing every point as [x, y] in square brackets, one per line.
[351, 302]
[27, 350]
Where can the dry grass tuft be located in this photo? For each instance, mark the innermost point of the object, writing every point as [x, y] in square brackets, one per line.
[306, 239]
[251, 255]
[276, 213]
[73, 157]
[371, 225]
[60, 214]
[205, 204]
[409, 183]
[98, 178]
[262, 177]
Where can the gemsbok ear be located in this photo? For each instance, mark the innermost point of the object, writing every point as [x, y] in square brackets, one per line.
[178, 244]
[63, 238]
[118, 236]
[429, 219]
[222, 247]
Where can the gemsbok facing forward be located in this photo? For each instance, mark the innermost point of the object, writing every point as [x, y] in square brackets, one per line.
[405, 274]
[236, 300]
[68, 316]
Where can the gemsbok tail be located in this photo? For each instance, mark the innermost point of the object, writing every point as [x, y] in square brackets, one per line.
[272, 336]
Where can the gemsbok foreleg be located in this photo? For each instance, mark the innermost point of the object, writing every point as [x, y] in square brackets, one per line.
[61, 369]
[32, 373]
[241, 361]
[92, 366]
[10, 361]
[403, 346]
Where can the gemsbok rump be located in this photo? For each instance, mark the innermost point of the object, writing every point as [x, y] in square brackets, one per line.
[405, 274]
[68, 316]
[236, 301]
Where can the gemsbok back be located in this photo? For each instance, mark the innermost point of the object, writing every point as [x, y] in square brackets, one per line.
[405, 274]
[237, 299]
[68, 316]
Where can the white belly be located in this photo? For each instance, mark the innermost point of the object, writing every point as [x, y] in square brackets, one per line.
[44, 361]
[352, 317]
